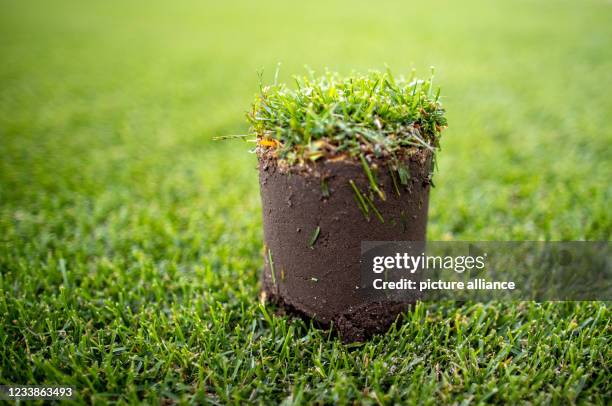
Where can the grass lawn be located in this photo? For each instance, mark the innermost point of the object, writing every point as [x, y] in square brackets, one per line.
[130, 242]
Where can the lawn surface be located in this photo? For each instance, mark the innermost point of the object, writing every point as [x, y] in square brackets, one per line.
[130, 242]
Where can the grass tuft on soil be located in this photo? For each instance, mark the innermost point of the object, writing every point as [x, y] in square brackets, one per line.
[372, 114]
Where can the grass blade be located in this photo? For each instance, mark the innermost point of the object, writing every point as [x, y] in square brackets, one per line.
[360, 201]
[314, 237]
[371, 178]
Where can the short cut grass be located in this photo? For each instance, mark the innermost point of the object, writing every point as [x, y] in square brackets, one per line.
[373, 114]
[130, 258]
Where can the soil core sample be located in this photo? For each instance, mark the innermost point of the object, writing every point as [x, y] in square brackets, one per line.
[341, 161]
[313, 242]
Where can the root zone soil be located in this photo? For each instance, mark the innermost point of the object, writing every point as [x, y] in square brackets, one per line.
[313, 227]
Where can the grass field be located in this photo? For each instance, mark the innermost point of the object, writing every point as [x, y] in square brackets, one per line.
[130, 242]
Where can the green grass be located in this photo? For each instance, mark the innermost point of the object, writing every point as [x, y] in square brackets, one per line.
[360, 115]
[130, 242]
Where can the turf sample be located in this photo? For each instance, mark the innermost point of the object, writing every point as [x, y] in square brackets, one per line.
[350, 158]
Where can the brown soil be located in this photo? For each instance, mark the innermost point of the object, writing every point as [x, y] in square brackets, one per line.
[322, 281]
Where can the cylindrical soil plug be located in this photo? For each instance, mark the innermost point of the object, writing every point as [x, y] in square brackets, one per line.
[313, 228]
[341, 161]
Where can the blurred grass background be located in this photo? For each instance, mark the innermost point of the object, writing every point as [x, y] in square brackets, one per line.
[130, 241]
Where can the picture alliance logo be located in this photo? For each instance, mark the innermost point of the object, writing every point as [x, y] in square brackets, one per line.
[411, 263]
